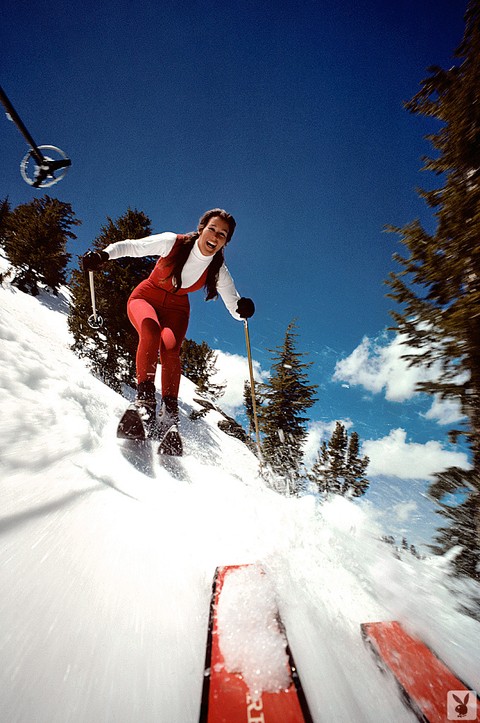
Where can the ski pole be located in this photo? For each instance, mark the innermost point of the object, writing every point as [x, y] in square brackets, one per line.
[252, 390]
[21, 127]
[45, 168]
[94, 321]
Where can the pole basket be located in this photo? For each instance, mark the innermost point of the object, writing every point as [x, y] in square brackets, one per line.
[95, 321]
[46, 170]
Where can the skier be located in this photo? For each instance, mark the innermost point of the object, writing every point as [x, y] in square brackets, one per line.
[159, 310]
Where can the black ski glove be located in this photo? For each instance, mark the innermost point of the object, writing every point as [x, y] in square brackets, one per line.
[245, 308]
[94, 260]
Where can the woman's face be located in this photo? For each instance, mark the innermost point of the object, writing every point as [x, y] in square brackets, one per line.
[214, 236]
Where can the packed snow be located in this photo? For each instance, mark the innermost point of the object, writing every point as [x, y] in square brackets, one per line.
[107, 555]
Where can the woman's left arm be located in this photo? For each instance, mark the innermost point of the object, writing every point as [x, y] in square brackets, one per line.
[231, 297]
[226, 289]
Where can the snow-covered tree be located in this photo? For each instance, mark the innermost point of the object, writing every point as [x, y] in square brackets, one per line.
[460, 530]
[199, 365]
[248, 404]
[35, 237]
[286, 396]
[4, 212]
[338, 468]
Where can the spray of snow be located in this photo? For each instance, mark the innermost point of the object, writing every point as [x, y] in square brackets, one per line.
[251, 641]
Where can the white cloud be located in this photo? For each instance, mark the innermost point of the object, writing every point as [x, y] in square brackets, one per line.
[377, 365]
[394, 456]
[233, 370]
[444, 411]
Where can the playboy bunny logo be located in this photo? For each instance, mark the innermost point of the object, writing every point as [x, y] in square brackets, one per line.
[462, 708]
[462, 705]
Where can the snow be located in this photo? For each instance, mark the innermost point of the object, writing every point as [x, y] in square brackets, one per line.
[250, 640]
[107, 556]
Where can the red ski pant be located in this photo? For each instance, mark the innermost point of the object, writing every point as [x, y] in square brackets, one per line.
[161, 320]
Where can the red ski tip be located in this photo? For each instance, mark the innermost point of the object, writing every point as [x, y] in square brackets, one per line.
[433, 692]
[226, 696]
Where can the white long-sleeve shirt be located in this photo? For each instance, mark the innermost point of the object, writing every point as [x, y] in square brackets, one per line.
[161, 244]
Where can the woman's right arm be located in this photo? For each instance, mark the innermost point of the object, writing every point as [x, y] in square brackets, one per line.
[159, 244]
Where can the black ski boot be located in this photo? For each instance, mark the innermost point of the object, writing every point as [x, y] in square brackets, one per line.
[139, 421]
[167, 428]
[146, 405]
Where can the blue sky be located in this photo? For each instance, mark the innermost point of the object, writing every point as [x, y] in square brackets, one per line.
[289, 116]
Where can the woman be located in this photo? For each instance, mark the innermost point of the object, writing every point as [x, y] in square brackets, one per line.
[159, 307]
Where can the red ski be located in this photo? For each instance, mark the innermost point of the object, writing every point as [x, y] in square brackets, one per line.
[226, 697]
[429, 686]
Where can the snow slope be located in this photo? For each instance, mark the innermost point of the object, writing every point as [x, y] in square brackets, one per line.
[107, 556]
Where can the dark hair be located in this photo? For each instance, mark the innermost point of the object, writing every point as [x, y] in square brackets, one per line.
[218, 213]
[184, 249]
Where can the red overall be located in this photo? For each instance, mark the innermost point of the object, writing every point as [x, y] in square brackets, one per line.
[161, 320]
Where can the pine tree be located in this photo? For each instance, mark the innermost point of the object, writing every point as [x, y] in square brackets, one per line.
[337, 452]
[199, 365]
[439, 284]
[112, 349]
[460, 530]
[355, 483]
[35, 238]
[4, 213]
[248, 404]
[338, 468]
[286, 396]
[320, 474]
[413, 551]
